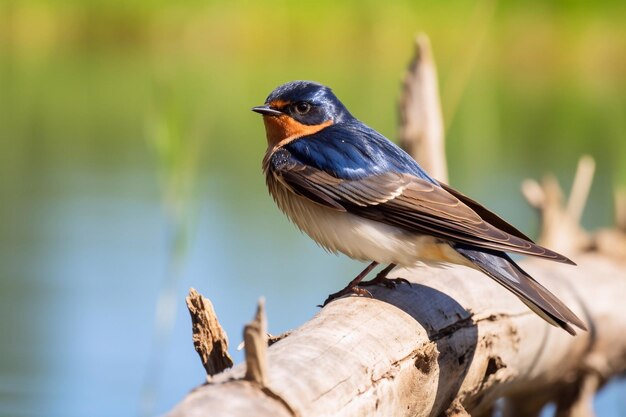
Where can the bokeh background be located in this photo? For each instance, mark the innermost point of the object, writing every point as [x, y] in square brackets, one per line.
[130, 164]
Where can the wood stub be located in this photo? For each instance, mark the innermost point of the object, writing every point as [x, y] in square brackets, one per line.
[209, 338]
[271, 339]
[255, 342]
[580, 188]
[560, 228]
[421, 131]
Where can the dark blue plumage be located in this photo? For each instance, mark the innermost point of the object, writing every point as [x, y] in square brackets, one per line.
[347, 148]
[352, 151]
[325, 105]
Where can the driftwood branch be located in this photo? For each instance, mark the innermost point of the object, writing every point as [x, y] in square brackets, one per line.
[560, 221]
[453, 342]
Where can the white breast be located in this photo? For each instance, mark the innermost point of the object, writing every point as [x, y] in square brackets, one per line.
[357, 237]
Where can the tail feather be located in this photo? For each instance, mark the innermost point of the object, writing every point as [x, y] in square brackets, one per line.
[507, 273]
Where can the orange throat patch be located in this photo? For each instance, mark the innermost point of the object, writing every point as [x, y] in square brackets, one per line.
[280, 130]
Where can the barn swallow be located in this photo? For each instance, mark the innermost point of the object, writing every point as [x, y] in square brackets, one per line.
[354, 191]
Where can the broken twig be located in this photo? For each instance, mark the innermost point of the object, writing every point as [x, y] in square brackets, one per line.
[255, 339]
[209, 338]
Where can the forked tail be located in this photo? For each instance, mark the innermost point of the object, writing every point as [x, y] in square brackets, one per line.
[506, 272]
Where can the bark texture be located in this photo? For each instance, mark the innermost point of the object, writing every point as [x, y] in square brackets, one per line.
[209, 338]
[450, 344]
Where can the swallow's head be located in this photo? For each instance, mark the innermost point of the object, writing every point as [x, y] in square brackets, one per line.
[300, 108]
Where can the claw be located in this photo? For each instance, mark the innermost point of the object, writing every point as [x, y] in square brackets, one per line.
[346, 291]
[353, 286]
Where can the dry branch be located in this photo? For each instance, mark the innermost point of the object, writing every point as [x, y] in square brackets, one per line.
[560, 221]
[455, 337]
[255, 339]
[209, 338]
[421, 124]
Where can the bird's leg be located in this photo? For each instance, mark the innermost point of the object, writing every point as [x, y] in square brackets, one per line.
[381, 279]
[352, 288]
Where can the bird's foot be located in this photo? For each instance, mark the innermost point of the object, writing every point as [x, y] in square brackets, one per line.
[384, 281]
[346, 291]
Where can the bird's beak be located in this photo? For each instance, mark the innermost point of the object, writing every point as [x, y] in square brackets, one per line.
[266, 111]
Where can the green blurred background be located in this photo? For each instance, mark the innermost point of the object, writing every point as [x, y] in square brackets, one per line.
[130, 164]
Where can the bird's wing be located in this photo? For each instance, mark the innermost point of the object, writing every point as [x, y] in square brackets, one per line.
[486, 214]
[411, 203]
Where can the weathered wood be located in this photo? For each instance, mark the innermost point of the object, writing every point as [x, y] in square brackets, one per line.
[580, 188]
[421, 131]
[209, 338]
[454, 337]
[560, 220]
[255, 339]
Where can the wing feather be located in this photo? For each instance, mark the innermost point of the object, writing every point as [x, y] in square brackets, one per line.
[485, 213]
[411, 203]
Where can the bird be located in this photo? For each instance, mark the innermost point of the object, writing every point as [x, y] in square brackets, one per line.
[353, 191]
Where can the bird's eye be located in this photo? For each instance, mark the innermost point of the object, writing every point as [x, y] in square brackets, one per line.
[302, 107]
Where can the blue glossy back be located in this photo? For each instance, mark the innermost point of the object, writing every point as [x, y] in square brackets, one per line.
[352, 151]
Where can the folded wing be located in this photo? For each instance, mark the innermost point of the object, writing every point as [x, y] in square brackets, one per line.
[411, 203]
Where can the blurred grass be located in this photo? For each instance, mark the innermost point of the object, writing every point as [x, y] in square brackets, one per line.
[548, 84]
[177, 152]
[526, 91]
